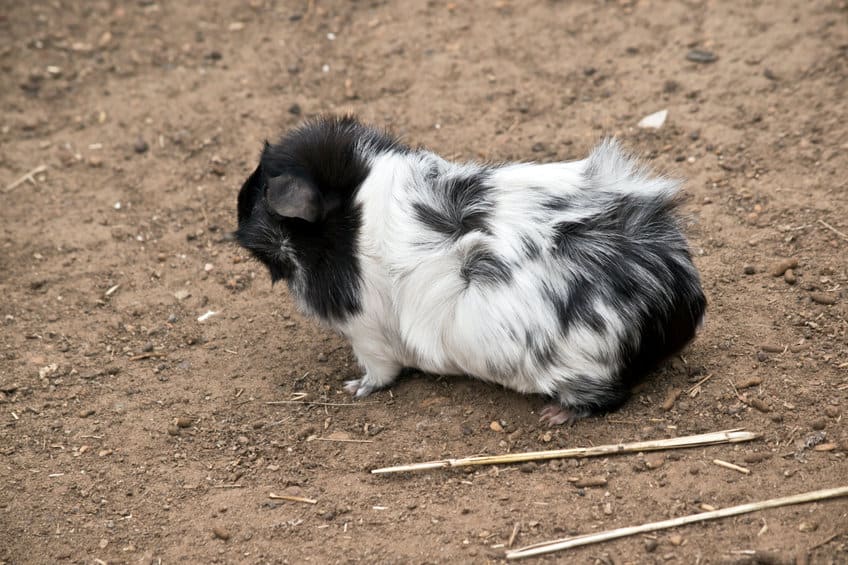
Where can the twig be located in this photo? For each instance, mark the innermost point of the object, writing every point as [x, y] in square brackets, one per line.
[147, 356]
[725, 436]
[292, 498]
[514, 534]
[727, 465]
[345, 440]
[699, 383]
[27, 177]
[227, 486]
[276, 402]
[825, 541]
[833, 229]
[586, 539]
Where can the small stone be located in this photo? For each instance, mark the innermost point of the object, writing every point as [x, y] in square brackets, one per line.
[807, 527]
[243, 440]
[651, 545]
[173, 430]
[789, 277]
[823, 298]
[140, 146]
[496, 426]
[701, 56]
[772, 348]
[184, 422]
[294, 109]
[654, 461]
[103, 543]
[182, 294]
[86, 413]
[675, 539]
[818, 424]
[749, 270]
[538, 147]
[220, 533]
[832, 411]
[322, 358]
[749, 382]
[528, 467]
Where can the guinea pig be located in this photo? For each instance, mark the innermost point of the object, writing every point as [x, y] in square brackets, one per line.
[571, 280]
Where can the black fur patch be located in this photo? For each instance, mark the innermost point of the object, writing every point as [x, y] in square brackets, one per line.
[481, 266]
[318, 259]
[589, 395]
[462, 206]
[578, 307]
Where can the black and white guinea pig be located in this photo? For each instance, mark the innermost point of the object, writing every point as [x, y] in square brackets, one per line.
[571, 280]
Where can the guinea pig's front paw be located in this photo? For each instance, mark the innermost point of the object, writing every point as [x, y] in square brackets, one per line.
[556, 414]
[358, 388]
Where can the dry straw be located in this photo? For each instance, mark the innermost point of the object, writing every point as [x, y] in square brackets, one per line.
[586, 539]
[726, 436]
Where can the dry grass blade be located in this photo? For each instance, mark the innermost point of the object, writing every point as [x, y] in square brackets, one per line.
[725, 436]
[586, 539]
[28, 177]
[292, 498]
[727, 465]
[281, 402]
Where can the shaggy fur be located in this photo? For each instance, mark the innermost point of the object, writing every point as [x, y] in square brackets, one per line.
[571, 280]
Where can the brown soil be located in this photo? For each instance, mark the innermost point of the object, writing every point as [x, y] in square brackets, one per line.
[162, 107]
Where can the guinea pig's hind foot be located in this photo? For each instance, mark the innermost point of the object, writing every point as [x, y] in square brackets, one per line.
[557, 414]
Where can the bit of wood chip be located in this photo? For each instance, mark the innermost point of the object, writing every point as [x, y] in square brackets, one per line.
[590, 482]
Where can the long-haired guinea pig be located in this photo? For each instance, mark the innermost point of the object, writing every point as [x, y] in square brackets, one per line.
[571, 280]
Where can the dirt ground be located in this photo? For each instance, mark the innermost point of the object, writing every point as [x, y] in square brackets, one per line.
[134, 433]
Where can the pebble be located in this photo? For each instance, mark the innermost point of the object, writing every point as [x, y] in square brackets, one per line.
[779, 268]
[322, 358]
[220, 533]
[294, 109]
[772, 348]
[496, 426]
[761, 356]
[818, 424]
[808, 527]
[651, 545]
[749, 269]
[86, 413]
[823, 298]
[184, 422]
[528, 467]
[654, 461]
[832, 411]
[701, 56]
[675, 539]
[173, 430]
[789, 277]
[140, 146]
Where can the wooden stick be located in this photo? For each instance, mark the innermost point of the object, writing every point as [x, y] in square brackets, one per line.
[27, 177]
[586, 539]
[345, 440]
[725, 436]
[292, 498]
[727, 465]
[278, 402]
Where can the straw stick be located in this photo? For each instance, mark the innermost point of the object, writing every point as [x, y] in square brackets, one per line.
[292, 498]
[586, 539]
[725, 436]
[727, 465]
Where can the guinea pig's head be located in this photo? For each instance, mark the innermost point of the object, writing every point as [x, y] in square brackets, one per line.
[297, 208]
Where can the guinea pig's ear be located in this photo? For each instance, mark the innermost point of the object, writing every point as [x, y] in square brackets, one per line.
[294, 197]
